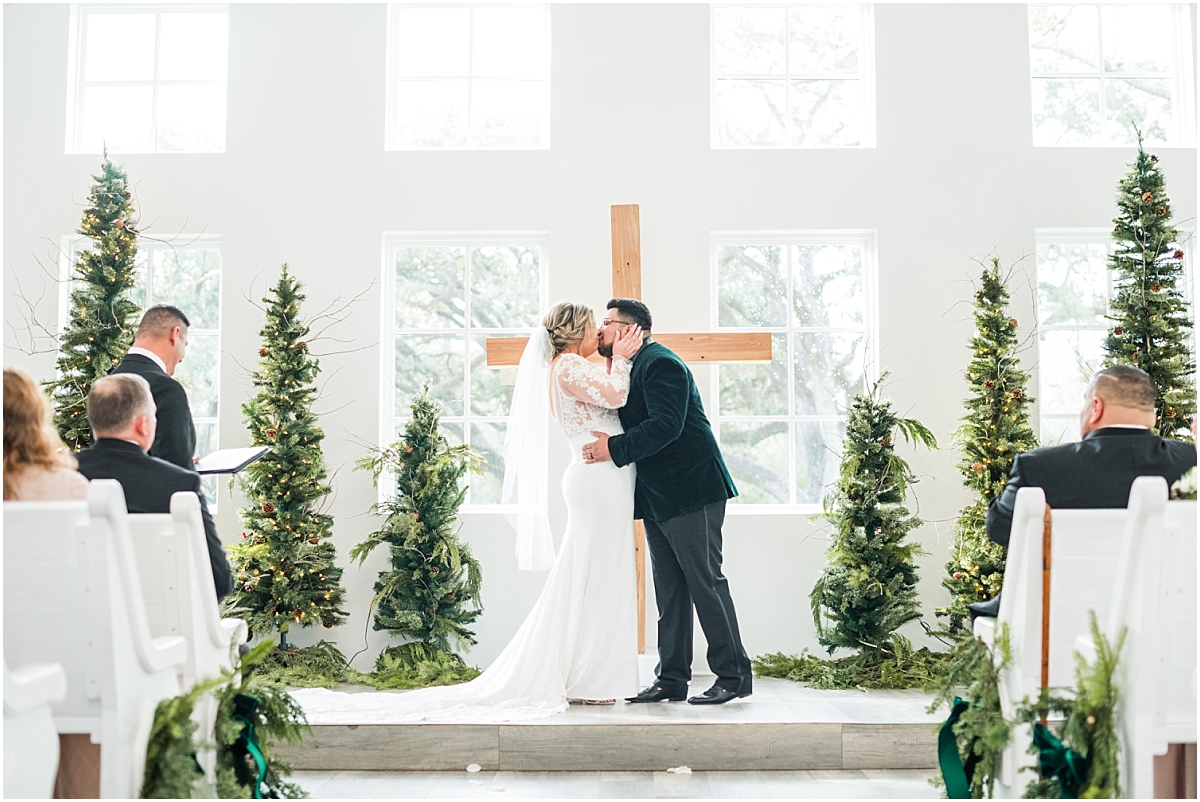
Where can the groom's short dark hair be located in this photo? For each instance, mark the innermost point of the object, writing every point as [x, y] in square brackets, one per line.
[632, 310]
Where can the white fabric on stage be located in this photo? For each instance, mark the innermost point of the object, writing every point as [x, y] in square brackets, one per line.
[580, 639]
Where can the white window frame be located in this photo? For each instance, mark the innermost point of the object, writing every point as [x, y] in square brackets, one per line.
[389, 133]
[866, 76]
[1181, 79]
[469, 240]
[867, 239]
[77, 84]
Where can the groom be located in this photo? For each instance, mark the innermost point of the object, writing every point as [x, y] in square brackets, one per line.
[682, 487]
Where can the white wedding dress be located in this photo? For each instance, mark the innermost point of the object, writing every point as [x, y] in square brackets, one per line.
[580, 639]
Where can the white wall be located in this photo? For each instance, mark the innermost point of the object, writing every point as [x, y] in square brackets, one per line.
[305, 180]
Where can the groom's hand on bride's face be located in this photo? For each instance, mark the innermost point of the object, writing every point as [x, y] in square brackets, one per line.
[597, 451]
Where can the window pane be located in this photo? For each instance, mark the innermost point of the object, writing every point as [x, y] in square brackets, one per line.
[120, 47]
[756, 454]
[827, 285]
[509, 42]
[491, 388]
[191, 118]
[826, 113]
[200, 375]
[818, 454]
[206, 442]
[1144, 102]
[1137, 38]
[1067, 360]
[756, 389]
[750, 112]
[751, 286]
[1072, 283]
[430, 288]
[193, 47]
[1058, 430]
[430, 114]
[432, 41]
[506, 114]
[1066, 111]
[824, 39]
[505, 286]
[750, 41]
[488, 439]
[119, 117]
[1064, 39]
[436, 358]
[829, 371]
[191, 280]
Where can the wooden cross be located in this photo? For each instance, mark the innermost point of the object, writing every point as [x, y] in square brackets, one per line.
[700, 348]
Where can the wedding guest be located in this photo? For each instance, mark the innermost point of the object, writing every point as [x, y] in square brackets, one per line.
[38, 467]
[121, 413]
[159, 346]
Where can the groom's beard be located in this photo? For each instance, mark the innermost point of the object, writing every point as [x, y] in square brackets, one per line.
[605, 350]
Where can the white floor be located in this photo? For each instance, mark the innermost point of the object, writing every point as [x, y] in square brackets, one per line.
[855, 784]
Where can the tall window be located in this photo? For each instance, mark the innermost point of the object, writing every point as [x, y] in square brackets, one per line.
[781, 425]
[795, 76]
[1100, 70]
[148, 79]
[447, 295]
[468, 77]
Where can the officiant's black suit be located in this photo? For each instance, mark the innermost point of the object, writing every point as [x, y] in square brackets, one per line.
[682, 487]
[1095, 473]
[149, 483]
[175, 440]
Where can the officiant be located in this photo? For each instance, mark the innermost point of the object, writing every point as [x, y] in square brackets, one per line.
[159, 346]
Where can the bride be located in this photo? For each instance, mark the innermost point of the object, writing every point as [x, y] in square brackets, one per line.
[579, 642]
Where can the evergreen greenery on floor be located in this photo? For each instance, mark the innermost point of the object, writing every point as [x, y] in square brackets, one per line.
[995, 429]
[1149, 311]
[430, 594]
[103, 312]
[285, 572]
[868, 670]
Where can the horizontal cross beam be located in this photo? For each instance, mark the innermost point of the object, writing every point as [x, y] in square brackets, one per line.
[697, 348]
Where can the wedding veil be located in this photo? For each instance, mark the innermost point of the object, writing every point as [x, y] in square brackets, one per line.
[525, 457]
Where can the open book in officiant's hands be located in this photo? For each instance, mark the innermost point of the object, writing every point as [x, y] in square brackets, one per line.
[230, 460]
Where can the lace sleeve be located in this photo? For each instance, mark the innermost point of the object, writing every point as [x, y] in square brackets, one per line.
[590, 383]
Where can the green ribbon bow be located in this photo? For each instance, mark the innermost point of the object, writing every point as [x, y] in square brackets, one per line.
[956, 776]
[244, 708]
[1056, 760]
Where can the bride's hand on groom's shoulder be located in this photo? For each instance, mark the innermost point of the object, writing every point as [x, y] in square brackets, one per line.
[628, 342]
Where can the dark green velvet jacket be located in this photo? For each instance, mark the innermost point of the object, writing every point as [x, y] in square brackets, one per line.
[679, 466]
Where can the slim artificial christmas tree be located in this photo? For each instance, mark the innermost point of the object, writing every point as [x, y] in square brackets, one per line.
[430, 594]
[103, 312]
[1149, 311]
[284, 568]
[995, 429]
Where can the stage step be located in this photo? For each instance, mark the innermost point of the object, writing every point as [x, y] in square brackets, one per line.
[782, 727]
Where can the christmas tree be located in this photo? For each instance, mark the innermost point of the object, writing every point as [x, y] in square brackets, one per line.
[430, 595]
[869, 587]
[284, 567]
[103, 312]
[995, 429]
[1149, 310]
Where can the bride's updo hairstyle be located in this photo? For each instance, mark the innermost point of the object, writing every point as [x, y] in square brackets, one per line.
[567, 323]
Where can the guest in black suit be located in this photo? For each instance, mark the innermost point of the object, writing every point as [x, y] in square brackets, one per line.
[1118, 446]
[158, 347]
[121, 414]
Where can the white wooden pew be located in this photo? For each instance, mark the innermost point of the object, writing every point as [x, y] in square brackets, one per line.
[30, 740]
[181, 599]
[1085, 555]
[73, 596]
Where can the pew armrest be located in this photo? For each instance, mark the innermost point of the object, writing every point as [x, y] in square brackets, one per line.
[163, 653]
[984, 628]
[235, 629]
[29, 686]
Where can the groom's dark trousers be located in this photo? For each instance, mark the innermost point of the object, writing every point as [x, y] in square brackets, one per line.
[682, 487]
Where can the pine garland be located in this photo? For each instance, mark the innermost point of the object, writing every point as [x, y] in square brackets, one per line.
[1149, 310]
[100, 329]
[431, 594]
[995, 429]
[284, 569]
[866, 671]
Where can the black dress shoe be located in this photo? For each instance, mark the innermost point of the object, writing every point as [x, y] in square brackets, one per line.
[656, 694]
[716, 695]
[986, 609]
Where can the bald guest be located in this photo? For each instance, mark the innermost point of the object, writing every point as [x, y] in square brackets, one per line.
[159, 345]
